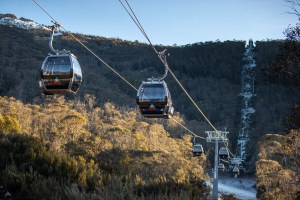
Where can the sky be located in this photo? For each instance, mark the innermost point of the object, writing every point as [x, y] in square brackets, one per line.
[166, 22]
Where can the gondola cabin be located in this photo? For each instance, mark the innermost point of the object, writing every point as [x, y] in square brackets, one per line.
[197, 150]
[236, 170]
[221, 167]
[223, 153]
[60, 74]
[154, 99]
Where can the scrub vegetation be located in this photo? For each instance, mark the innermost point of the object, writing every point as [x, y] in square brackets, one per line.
[74, 150]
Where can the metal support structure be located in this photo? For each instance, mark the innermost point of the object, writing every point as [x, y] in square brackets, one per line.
[216, 137]
[163, 57]
[55, 27]
[216, 171]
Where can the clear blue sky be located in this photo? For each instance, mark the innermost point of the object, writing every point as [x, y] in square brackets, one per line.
[166, 22]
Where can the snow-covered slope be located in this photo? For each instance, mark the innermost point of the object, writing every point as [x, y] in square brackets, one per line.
[25, 24]
[237, 192]
[240, 188]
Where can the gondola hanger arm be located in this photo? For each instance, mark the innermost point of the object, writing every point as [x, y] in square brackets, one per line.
[163, 57]
[55, 27]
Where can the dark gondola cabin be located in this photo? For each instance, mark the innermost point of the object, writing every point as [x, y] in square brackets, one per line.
[221, 167]
[154, 99]
[60, 74]
[197, 150]
[236, 170]
[223, 153]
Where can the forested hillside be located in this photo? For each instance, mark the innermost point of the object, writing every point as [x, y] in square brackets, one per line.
[75, 150]
[277, 168]
[210, 71]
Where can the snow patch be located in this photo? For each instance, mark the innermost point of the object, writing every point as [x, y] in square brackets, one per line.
[241, 188]
[22, 24]
[238, 193]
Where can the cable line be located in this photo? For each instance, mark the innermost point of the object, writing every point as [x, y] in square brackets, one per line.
[160, 55]
[136, 21]
[75, 38]
[56, 22]
[186, 128]
[138, 24]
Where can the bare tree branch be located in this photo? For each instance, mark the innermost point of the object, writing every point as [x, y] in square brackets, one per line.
[294, 5]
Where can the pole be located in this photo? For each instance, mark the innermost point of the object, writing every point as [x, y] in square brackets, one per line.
[215, 188]
[216, 137]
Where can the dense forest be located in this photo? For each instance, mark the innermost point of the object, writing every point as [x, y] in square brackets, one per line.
[95, 142]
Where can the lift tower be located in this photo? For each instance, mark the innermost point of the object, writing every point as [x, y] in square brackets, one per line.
[216, 137]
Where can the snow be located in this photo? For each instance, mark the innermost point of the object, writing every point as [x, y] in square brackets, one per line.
[22, 24]
[248, 110]
[251, 65]
[247, 94]
[237, 192]
[241, 188]
[247, 79]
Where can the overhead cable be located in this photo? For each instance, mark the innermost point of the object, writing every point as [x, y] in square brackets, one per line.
[138, 24]
[75, 38]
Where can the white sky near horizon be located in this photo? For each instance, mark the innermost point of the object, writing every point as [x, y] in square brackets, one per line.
[166, 22]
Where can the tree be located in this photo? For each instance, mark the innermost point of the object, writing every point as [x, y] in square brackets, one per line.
[286, 67]
[73, 124]
[293, 121]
